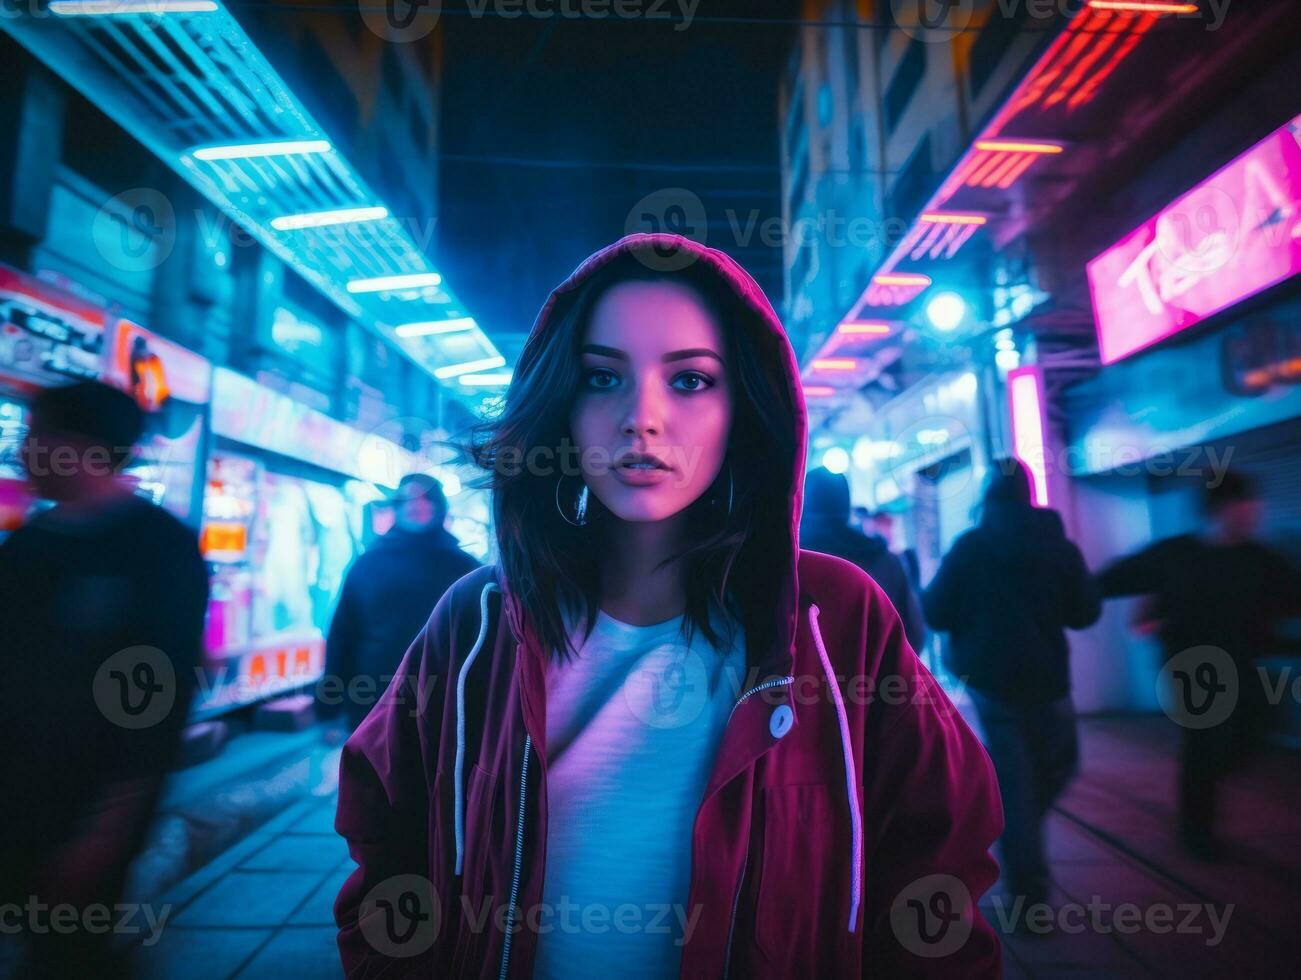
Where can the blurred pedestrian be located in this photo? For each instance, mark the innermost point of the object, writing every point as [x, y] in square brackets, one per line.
[1218, 590]
[1005, 592]
[387, 596]
[825, 527]
[102, 598]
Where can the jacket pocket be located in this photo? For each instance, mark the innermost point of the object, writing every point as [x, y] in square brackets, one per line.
[799, 890]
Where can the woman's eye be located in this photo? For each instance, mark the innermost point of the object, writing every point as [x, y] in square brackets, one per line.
[693, 381]
[600, 378]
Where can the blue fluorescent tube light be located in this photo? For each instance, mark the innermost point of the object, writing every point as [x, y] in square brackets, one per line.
[413, 281]
[469, 367]
[321, 219]
[246, 151]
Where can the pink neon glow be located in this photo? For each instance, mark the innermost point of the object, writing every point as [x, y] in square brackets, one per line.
[1231, 236]
[1025, 395]
[834, 364]
[875, 327]
[901, 279]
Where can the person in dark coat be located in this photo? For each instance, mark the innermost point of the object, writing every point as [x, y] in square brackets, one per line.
[102, 597]
[387, 597]
[1005, 592]
[1214, 600]
[825, 527]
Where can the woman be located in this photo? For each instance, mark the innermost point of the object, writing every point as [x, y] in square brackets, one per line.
[649, 741]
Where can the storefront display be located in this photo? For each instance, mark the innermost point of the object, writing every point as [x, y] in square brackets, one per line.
[173, 387]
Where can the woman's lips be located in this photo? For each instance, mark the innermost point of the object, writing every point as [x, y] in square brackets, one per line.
[641, 476]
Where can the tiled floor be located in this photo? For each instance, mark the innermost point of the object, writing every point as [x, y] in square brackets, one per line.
[263, 909]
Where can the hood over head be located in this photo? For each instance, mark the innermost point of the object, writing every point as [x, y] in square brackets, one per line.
[669, 254]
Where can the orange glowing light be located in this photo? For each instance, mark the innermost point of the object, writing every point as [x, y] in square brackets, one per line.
[952, 218]
[1145, 6]
[901, 279]
[835, 364]
[1019, 146]
[878, 327]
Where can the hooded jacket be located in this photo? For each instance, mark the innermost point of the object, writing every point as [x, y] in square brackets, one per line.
[384, 603]
[1005, 591]
[844, 830]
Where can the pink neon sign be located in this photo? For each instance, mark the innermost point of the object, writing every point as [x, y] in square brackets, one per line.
[1231, 236]
[1025, 396]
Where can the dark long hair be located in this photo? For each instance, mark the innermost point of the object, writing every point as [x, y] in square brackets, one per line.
[731, 559]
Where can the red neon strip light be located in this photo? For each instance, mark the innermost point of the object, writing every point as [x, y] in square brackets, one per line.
[818, 391]
[960, 175]
[991, 161]
[996, 175]
[963, 234]
[1015, 173]
[1104, 41]
[1090, 87]
[933, 231]
[950, 232]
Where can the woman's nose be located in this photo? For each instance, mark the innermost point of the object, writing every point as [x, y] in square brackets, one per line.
[645, 414]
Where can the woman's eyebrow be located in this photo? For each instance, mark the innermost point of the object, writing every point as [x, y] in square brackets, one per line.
[676, 355]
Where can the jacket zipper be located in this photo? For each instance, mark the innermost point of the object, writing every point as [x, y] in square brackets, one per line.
[775, 682]
[519, 857]
[736, 899]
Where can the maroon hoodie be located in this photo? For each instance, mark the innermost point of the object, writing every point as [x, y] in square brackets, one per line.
[844, 831]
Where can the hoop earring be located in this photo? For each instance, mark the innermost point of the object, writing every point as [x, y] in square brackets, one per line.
[580, 507]
[730, 487]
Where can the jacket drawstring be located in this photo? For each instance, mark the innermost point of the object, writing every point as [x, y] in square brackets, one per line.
[851, 776]
[458, 777]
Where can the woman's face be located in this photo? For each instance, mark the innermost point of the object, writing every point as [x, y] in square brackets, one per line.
[654, 405]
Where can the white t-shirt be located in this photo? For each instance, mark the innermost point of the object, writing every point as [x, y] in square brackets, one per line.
[633, 726]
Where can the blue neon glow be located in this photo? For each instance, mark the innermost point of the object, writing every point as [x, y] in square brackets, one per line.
[248, 151]
[380, 284]
[323, 219]
[469, 367]
[497, 379]
[112, 8]
[432, 328]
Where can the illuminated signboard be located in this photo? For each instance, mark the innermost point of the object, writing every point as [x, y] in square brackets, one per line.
[1231, 236]
[1025, 394]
